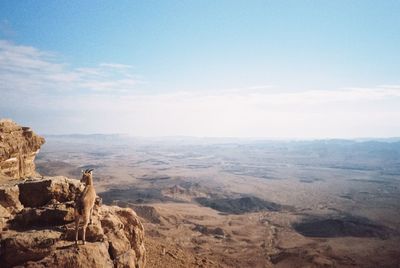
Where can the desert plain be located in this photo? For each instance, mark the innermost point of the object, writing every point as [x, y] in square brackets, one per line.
[216, 202]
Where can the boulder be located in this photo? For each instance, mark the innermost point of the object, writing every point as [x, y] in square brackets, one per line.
[134, 231]
[39, 192]
[5, 215]
[113, 229]
[37, 215]
[60, 214]
[126, 260]
[94, 231]
[89, 255]
[19, 247]
[9, 198]
[42, 234]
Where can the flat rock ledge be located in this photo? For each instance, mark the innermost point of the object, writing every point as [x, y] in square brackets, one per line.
[37, 228]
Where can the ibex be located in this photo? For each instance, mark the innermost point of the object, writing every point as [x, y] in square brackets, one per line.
[84, 204]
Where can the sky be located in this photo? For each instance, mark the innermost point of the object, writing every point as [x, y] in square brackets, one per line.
[265, 69]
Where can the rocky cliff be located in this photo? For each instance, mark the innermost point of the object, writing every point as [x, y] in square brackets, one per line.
[36, 216]
[18, 148]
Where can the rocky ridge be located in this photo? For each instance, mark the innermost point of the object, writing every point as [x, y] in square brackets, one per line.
[37, 214]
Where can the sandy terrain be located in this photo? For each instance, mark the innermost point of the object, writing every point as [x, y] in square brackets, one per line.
[229, 203]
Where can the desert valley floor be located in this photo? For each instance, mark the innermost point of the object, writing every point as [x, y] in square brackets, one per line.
[247, 203]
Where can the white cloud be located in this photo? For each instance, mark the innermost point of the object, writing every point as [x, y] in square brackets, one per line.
[115, 65]
[42, 91]
[27, 69]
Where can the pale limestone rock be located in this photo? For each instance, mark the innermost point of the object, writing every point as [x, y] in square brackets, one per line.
[115, 239]
[39, 192]
[36, 215]
[18, 149]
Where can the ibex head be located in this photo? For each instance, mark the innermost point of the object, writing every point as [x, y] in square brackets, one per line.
[87, 176]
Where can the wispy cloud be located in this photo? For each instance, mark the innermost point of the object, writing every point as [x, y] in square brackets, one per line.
[27, 69]
[116, 65]
[39, 86]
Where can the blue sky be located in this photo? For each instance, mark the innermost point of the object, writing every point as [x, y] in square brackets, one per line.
[203, 68]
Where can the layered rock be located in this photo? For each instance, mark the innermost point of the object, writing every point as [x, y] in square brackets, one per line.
[18, 149]
[36, 215]
[36, 218]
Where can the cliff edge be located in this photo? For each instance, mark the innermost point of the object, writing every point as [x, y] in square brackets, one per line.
[36, 216]
[18, 149]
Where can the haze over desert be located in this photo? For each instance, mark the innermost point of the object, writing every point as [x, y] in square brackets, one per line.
[199, 133]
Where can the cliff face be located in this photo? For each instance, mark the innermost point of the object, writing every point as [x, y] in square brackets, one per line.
[18, 148]
[37, 216]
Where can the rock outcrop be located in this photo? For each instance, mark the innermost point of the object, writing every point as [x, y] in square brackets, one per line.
[36, 218]
[37, 226]
[18, 148]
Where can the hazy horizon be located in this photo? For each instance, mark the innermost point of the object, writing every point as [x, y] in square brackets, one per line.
[286, 70]
[261, 139]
